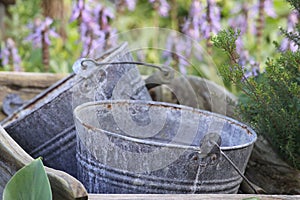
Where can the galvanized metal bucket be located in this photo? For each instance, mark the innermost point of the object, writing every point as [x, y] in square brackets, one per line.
[153, 147]
[45, 126]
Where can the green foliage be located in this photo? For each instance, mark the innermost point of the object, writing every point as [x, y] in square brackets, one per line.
[270, 102]
[295, 4]
[275, 110]
[30, 182]
[226, 41]
[252, 198]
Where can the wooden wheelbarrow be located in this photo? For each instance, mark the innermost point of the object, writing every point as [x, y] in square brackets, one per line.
[13, 158]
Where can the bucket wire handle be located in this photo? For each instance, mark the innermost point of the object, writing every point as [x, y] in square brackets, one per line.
[236, 169]
[166, 70]
[208, 146]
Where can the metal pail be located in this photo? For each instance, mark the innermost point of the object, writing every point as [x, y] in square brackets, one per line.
[126, 146]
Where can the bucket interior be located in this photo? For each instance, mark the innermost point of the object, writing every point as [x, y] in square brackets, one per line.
[162, 123]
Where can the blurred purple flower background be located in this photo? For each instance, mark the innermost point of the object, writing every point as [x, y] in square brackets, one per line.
[40, 30]
[130, 4]
[202, 21]
[10, 55]
[286, 44]
[94, 27]
[177, 50]
[162, 6]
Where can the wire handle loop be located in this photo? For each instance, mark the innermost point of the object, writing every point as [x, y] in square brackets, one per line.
[236, 169]
[165, 69]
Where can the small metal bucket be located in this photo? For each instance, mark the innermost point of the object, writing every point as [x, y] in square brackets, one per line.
[45, 126]
[152, 147]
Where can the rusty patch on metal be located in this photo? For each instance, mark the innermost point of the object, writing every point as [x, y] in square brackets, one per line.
[89, 126]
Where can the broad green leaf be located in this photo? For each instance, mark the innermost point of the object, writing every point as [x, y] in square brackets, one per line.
[29, 183]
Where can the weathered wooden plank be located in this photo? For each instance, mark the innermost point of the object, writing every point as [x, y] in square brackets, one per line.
[189, 197]
[28, 79]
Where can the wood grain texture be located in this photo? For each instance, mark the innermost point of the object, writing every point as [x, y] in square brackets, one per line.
[188, 197]
[28, 79]
[13, 157]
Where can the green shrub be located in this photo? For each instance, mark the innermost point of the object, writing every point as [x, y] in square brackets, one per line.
[270, 101]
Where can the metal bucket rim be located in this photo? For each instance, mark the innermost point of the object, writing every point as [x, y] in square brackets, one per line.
[249, 130]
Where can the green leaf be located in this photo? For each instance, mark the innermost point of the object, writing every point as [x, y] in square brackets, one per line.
[29, 183]
[252, 198]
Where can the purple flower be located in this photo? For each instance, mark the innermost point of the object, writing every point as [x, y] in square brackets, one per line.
[213, 18]
[5, 56]
[269, 8]
[130, 4]
[258, 12]
[202, 22]
[252, 18]
[162, 6]
[102, 15]
[10, 55]
[253, 70]
[249, 65]
[121, 5]
[193, 25]
[287, 44]
[77, 10]
[239, 22]
[240, 19]
[94, 25]
[41, 30]
[178, 51]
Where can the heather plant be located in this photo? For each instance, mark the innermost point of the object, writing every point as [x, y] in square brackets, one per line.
[270, 100]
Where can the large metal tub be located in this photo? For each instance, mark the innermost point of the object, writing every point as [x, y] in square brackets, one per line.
[152, 147]
[45, 127]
